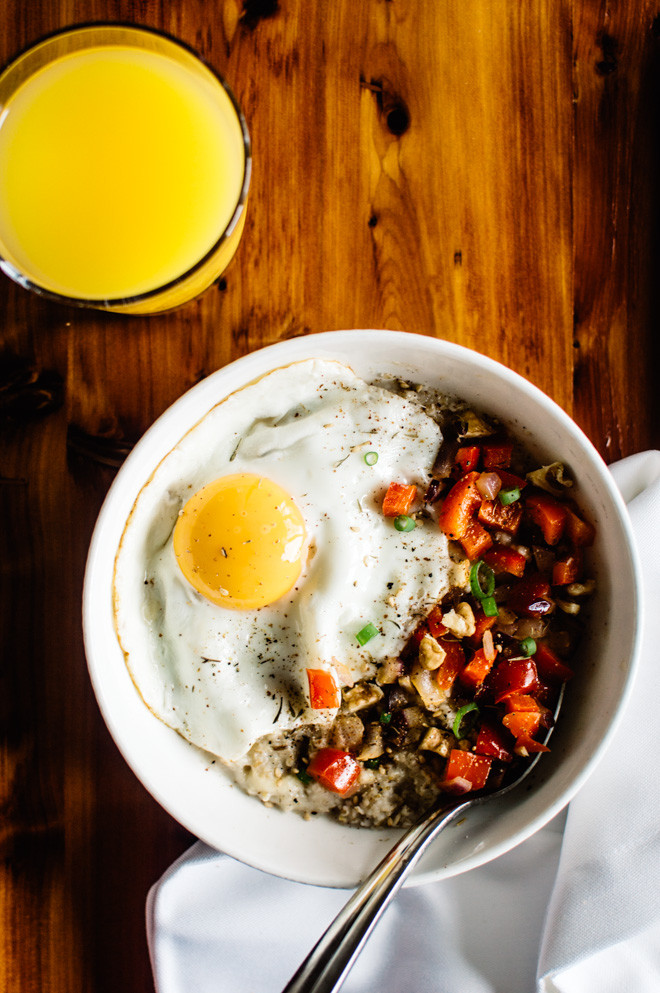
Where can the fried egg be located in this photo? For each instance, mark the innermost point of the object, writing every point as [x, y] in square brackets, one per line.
[258, 549]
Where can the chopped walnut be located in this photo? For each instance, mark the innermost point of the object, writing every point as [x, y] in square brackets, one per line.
[460, 621]
[389, 671]
[347, 732]
[437, 741]
[431, 654]
[551, 478]
[361, 696]
[372, 746]
[474, 426]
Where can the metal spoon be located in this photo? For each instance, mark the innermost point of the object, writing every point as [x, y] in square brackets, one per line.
[331, 959]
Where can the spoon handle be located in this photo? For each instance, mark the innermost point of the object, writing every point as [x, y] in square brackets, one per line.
[329, 962]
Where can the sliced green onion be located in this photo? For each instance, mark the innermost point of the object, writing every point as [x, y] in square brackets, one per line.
[368, 632]
[509, 496]
[404, 523]
[489, 606]
[469, 708]
[482, 580]
[528, 646]
[371, 458]
[372, 763]
[304, 777]
[385, 717]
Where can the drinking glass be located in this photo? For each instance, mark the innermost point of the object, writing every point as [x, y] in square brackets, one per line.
[124, 170]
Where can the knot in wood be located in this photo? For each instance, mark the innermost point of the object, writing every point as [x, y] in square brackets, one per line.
[255, 11]
[610, 49]
[392, 108]
[27, 392]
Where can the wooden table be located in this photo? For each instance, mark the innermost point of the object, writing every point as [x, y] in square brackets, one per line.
[481, 171]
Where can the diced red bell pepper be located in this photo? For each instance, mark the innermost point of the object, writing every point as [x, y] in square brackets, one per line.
[502, 559]
[549, 666]
[547, 692]
[434, 622]
[567, 570]
[398, 499]
[522, 702]
[548, 514]
[531, 596]
[513, 676]
[522, 723]
[526, 746]
[579, 531]
[492, 741]
[481, 624]
[323, 690]
[467, 459]
[459, 506]
[510, 481]
[496, 455]
[503, 517]
[476, 670]
[475, 540]
[415, 639]
[468, 766]
[454, 660]
[338, 771]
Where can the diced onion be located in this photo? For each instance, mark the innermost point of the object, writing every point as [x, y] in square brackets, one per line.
[489, 646]
[428, 689]
[489, 485]
[507, 621]
[544, 558]
[531, 627]
[457, 785]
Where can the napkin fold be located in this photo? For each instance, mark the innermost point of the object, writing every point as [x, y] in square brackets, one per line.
[574, 909]
[604, 913]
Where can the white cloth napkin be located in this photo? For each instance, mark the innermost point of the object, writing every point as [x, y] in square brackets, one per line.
[575, 909]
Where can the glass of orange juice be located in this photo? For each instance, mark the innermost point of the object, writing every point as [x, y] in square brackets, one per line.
[124, 170]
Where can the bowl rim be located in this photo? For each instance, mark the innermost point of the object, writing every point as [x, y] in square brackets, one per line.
[322, 345]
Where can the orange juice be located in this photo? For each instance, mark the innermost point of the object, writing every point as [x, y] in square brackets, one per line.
[120, 171]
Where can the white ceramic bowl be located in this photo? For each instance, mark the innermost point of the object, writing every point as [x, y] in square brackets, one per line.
[196, 792]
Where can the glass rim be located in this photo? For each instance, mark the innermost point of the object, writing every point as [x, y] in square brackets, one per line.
[106, 303]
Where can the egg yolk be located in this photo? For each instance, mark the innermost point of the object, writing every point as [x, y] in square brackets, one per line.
[240, 540]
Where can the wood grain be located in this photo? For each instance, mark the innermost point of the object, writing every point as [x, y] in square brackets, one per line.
[484, 172]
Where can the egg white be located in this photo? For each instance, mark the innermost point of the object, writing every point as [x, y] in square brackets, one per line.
[225, 678]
